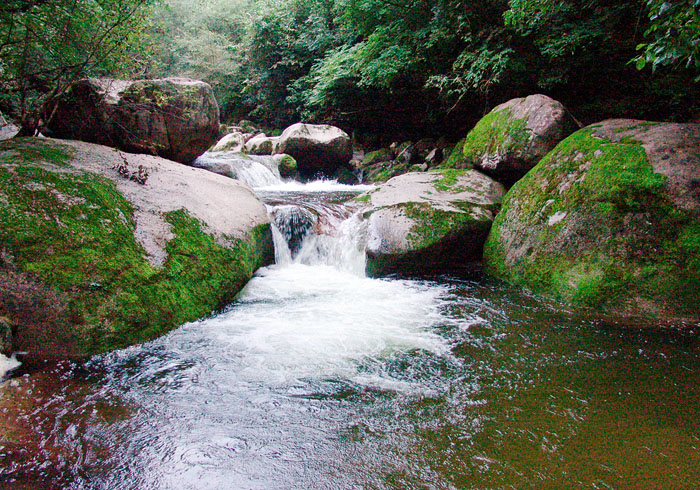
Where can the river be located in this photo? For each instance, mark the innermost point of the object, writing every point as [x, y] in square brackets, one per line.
[320, 377]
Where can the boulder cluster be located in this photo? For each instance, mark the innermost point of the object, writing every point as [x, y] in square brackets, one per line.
[606, 216]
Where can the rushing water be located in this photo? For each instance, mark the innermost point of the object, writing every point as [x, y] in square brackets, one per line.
[319, 377]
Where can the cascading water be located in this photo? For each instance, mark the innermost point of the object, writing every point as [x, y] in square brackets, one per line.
[318, 377]
[256, 171]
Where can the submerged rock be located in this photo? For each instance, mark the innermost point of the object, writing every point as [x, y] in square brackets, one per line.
[429, 222]
[609, 219]
[103, 249]
[174, 118]
[515, 135]
[316, 148]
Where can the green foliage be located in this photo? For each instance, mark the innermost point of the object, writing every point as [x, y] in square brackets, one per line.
[674, 36]
[44, 46]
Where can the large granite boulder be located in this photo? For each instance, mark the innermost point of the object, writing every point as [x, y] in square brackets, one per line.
[609, 219]
[174, 118]
[515, 135]
[430, 221]
[317, 149]
[101, 249]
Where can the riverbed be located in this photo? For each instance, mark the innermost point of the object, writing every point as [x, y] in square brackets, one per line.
[320, 377]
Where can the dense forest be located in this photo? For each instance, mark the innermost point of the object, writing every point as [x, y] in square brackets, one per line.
[383, 68]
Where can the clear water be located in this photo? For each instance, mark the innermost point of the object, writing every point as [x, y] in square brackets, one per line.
[318, 377]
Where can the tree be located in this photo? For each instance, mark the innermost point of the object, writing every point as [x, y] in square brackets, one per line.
[45, 45]
[674, 34]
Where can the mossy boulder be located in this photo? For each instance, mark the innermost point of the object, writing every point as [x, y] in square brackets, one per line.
[421, 223]
[286, 164]
[94, 260]
[610, 219]
[317, 149]
[174, 118]
[261, 144]
[515, 135]
[234, 142]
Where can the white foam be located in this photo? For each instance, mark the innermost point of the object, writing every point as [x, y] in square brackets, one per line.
[315, 186]
[7, 364]
[301, 321]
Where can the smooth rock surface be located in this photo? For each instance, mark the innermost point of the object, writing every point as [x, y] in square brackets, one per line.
[316, 148]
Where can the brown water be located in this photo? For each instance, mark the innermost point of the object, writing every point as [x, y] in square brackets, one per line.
[319, 377]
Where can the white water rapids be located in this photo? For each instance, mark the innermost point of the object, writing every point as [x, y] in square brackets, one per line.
[314, 314]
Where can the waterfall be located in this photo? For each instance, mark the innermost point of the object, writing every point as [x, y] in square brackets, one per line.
[316, 234]
[256, 171]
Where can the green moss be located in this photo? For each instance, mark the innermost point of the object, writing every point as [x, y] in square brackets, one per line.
[456, 157]
[432, 225]
[496, 133]
[75, 233]
[622, 245]
[28, 150]
[364, 198]
[287, 165]
[448, 179]
[378, 156]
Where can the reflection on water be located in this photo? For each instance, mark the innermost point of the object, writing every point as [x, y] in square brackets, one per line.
[319, 377]
[501, 390]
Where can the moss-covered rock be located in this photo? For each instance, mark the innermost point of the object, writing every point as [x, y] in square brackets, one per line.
[234, 142]
[514, 136]
[93, 261]
[377, 156]
[428, 222]
[609, 219]
[174, 118]
[286, 164]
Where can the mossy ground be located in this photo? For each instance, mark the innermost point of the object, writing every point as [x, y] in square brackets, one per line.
[75, 233]
[622, 245]
[496, 133]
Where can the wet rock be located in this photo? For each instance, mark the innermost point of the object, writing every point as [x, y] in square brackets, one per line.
[430, 222]
[609, 219]
[174, 118]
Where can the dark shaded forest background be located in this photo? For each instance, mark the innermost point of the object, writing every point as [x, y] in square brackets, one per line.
[383, 69]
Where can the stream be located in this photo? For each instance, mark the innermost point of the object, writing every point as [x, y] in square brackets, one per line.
[320, 377]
